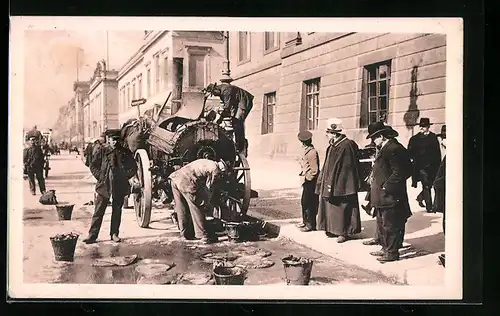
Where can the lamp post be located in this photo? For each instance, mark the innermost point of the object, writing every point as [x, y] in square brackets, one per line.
[226, 72]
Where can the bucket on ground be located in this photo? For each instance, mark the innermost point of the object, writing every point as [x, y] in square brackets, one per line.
[234, 231]
[64, 211]
[229, 274]
[297, 270]
[64, 246]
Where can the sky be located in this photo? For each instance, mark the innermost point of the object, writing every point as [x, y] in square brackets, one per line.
[51, 66]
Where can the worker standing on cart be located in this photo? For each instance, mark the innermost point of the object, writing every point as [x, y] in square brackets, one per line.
[237, 103]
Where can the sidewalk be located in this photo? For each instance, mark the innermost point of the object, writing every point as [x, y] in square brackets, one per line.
[424, 239]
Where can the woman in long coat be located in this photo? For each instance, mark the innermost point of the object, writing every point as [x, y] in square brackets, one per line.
[338, 186]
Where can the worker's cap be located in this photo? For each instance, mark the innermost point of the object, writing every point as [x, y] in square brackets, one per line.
[304, 136]
[113, 133]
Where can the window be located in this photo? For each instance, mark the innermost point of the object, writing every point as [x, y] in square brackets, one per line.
[310, 105]
[148, 91]
[165, 72]
[243, 46]
[128, 95]
[133, 90]
[139, 86]
[375, 98]
[197, 70]
[157, 73]
[268, 113]
[271, 41]
[124, 100]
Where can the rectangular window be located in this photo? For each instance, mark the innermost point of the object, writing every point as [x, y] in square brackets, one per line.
[165, 72]
[157, 74]
[271, 41]
[375, 98]
[196, 70]
[243, 46]
[148, 91]
[133, 90]
[310, 104]
[268, 113]
[139, 86]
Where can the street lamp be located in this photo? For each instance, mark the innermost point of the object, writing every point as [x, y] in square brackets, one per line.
[226, 72]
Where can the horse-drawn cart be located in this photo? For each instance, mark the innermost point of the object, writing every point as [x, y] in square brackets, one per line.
[161, 146]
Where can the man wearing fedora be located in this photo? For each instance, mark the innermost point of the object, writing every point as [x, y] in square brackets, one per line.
[425, 154]
[309, 174]
[193, 189]
[388, 193]
[338, 185]
[113, 166]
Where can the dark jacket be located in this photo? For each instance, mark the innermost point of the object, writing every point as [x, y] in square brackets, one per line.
[425, 152]
[118, 161]
[33, 158]
[391, 169]
[235, 97]
[309, 165]
[340, 174]
[440, 188]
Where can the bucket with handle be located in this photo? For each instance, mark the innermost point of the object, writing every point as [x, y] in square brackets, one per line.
[229, 274]
[297, 270]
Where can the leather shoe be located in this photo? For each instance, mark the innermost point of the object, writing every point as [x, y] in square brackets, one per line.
[421, 203]
[305, 229]
[388, 258]
[367, 210]
[342, 239]
[89, 240]
[115, 238]
[371, 242]
[330, 235]
[378, 253]
[209, 240]
[301, 225]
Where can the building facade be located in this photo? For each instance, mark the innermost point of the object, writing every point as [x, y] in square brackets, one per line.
[169, 62]
[299, 80]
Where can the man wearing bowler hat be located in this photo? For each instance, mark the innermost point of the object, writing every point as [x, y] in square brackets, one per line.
[388, 193]
[112, 166]
[426, 157]
[309, 173]
[338, 185]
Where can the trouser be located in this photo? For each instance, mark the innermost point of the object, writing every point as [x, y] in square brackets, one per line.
[38, 173]
[190, 217]
[309, 202]
[391, 228]
[425, 194]
[239, 129]
[101, 203]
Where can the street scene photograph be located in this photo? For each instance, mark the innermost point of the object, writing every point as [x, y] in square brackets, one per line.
[246, 157]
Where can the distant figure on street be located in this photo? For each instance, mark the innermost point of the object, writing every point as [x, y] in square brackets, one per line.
[309, 174]
[338, 186]
[426, 156]
[34, 161]
[388, 193]
[440, 186]
[237, 103]
[193, 190]
[112, 166]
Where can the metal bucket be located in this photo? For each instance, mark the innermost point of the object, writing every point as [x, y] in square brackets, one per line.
[297, 270]
[226, 275]
[64, 246]
[64, 211]
[234, 231]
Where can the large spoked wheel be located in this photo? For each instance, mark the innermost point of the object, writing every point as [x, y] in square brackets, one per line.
[143, 198]
[235, 203]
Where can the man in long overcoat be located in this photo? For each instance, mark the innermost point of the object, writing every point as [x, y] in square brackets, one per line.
[425, 154]
[309, 174]
[112, 166]
[338, 186]
[237, 103]
[388, 193]
[34, 161]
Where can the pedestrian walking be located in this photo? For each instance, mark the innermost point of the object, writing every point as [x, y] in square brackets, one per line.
[193, 189]
[112, 166]
[338, 186]
[237, 103]
[439, 185]
[34, 161]
[388, 192]
[309, 174]
[425, 154]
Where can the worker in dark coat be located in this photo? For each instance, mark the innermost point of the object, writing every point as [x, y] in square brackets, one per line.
[34, 161]
[440, 186]
[388, 193]
[193, 189]
[338, 186]
[425, 154]
[87, 153]
[112, 166]
[309, 174]
[237, 103]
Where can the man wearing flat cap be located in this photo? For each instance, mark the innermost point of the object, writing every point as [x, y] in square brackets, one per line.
[426, 157]
[34, 160]
[388, 193]
[113, 166]
[338, 185]
[309, 174]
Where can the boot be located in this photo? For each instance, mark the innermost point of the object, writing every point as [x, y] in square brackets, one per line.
[90, 240]
[371, 242]
[115, 238]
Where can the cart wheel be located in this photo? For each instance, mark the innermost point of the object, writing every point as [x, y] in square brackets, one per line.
[143, 199]
[237, 201]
